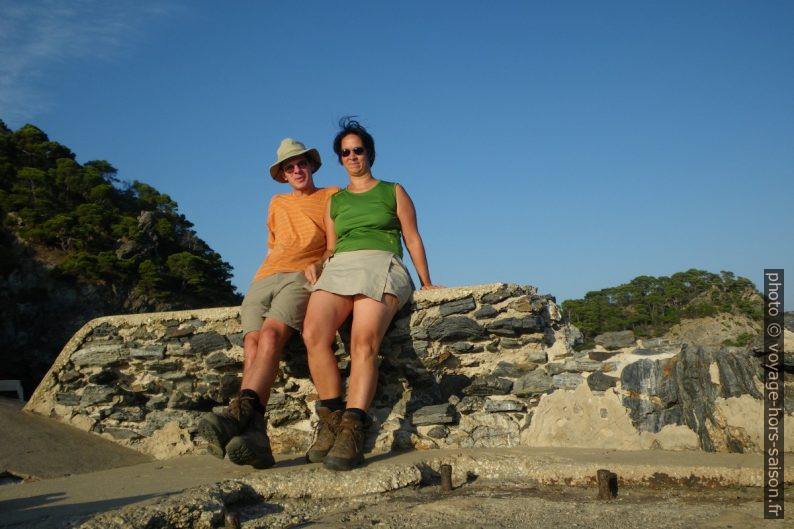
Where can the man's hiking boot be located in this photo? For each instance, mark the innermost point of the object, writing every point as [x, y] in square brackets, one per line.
[325, 434]
[219, 428]
[348, 449]
[252, 447]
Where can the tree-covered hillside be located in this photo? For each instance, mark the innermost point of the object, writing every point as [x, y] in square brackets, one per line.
[652, 305]
[82, 221]
[76, 243]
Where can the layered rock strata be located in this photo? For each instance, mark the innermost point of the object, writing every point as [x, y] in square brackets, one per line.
[484, 366]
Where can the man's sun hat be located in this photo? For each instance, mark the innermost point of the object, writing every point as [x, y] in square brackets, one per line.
[290, 148]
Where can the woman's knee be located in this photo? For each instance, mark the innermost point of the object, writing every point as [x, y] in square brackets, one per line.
[317, 333]
[364, 346]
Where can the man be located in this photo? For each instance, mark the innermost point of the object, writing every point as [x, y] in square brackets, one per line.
[275, 304]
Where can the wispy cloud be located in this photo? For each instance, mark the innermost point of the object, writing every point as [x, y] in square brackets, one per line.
[39, 35]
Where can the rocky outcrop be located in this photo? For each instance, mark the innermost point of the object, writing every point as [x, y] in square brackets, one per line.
[484, 366]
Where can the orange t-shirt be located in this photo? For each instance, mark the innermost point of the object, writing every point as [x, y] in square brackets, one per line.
[296, 231]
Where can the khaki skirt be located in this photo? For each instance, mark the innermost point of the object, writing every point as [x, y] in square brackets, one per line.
[371, 273]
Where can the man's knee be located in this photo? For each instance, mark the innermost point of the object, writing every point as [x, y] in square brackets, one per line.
[269, 339]
[250, 344]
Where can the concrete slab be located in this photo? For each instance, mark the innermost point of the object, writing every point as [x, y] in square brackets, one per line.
[87, 476]
[35, 447]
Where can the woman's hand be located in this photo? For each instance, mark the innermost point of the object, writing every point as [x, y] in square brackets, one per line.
[313, 271]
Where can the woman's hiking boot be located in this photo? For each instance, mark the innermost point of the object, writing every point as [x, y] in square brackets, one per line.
[252, 447]
[324, 434]
[348, 449]
[219, 428]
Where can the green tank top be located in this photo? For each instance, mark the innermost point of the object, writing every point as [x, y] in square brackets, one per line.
[368, 220]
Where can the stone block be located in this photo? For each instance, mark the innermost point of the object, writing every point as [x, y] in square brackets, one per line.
[488, 385]
[150, 352]
[64, 377]
[641, 351]
[600, 382]
[490, 430]
[502, 405]
[220, 361]
[93, 395]
[511, 370]
[67, 399]
[207, 342]
[135, 414]
[164, 367]
[103, 330]
[236, 339]
[497, 296]
[535, 383]
[470, 404]
[456, 328]
[600, 356]
[466, 347]
[581, 364]
[567, 380]
[99, 355]
[460, 306]
[485, 312]
[555, 368]
[438, 432]
[524, 304]
[615, 340]
[435, 414]
[536, 356]
[515, 326]
[510, 343]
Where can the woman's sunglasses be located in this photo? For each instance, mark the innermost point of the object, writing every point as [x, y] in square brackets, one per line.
[346, 152]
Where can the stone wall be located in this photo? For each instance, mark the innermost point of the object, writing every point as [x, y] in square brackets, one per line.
[483, 366]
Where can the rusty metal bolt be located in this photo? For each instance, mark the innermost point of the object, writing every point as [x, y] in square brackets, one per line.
[446, 477]
[607, 484]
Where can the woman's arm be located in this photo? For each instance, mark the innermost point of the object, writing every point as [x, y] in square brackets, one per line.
[406, 213]
[313, 271]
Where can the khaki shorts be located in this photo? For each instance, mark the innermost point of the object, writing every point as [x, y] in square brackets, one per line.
[368, 272]
[282, 296]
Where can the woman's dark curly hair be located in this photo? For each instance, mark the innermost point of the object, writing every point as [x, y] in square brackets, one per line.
[348, 125]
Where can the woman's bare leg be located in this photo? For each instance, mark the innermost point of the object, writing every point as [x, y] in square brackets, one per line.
[371, 318]
[325, 314]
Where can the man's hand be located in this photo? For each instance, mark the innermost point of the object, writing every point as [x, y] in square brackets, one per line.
[431, 287]
[312, 272]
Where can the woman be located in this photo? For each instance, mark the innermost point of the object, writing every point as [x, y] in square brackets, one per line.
[364, 276]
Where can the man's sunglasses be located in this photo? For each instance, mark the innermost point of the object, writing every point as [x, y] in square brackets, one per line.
[290, 168]
[346, 152]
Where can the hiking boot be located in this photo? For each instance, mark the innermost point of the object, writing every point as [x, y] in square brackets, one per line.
[219, 428]
[324, 434]
[348, 449]
[252, 447]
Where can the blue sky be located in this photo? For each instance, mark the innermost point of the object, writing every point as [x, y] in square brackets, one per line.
[570, 145]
